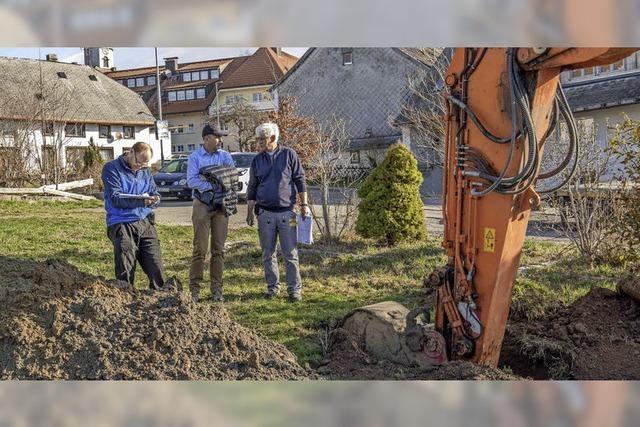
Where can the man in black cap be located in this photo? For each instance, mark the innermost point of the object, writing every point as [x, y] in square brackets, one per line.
[206, 222]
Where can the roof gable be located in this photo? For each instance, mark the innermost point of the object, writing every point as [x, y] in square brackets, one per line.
[27, 85]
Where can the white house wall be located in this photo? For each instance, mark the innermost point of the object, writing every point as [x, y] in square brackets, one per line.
[144, 134]
[605, 121]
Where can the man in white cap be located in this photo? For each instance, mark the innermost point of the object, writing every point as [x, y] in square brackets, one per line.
[276, 179]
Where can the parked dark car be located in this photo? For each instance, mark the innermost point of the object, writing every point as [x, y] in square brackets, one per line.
[171, 179]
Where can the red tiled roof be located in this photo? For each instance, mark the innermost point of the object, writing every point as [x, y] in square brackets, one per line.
[264, 67]
[132, 72]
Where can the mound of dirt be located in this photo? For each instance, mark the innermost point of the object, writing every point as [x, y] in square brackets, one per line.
[597, 337]
[58, 323]
[346, 361]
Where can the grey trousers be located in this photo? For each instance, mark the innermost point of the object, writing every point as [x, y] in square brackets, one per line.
[271, 227]
[137, 242]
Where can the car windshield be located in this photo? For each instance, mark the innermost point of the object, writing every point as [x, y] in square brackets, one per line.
[175, 166]
[243, 160]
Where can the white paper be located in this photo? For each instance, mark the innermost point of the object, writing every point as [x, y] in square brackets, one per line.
[305, 229]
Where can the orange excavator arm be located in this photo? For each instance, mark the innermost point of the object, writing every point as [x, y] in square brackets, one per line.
[501, 106]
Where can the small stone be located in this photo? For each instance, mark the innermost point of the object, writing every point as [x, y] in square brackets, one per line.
[580, 328]
[56, 329]
[324, 370]
[254, 360]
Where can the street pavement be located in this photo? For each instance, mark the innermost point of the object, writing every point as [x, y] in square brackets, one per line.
[543, 224]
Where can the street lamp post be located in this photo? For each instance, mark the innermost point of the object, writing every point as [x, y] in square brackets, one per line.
[159, 107]
[218, 102]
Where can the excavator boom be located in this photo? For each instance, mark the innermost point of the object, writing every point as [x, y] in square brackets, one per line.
[501, 106]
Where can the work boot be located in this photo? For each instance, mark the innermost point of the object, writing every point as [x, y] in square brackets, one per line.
[216, 295]
[270, 294]
[295, 298]
[195, 296]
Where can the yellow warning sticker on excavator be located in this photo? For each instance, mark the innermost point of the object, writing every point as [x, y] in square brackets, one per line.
[489, 239]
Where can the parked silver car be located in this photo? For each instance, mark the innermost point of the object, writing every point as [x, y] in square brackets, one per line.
[243, 163]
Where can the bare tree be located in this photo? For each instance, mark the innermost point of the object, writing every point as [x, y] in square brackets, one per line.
[245, 118]
[35, 137]
[424, 109]
[624, 146]
[296, 131]
[587, 204]
[329, 168]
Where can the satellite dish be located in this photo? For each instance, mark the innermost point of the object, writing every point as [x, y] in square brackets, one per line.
[168, 73]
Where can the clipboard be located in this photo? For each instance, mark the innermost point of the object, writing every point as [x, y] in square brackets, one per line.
[134, 196]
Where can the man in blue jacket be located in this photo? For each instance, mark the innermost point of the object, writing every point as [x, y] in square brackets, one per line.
[207, 223]
[276, 178]
[130, 222]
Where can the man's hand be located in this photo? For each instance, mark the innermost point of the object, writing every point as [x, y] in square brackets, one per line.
[250, 218]
[251, 204]
[305, 211]
[151, 200]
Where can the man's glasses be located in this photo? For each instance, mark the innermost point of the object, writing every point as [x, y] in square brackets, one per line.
[139, 164]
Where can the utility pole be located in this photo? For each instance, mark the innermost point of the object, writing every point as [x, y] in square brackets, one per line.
[218, 103]
[159, 108]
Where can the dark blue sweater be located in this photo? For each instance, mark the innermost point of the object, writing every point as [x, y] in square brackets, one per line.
[275, 180]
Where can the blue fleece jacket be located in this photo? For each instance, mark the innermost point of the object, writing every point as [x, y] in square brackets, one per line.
[118, 178]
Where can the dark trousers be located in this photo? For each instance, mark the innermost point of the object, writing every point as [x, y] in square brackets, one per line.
[137, 242]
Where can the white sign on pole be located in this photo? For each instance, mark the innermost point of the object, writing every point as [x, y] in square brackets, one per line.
[163, 129]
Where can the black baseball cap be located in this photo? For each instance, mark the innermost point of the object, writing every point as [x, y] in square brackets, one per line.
[212, 130]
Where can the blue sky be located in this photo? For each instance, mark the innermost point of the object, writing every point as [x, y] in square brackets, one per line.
[133, 57]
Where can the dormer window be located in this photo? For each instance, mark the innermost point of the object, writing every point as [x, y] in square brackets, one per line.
[347, 56]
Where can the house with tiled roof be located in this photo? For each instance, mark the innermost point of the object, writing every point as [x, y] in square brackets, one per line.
[193, 93]
[364, 87]
[600, 97]
[64, 107]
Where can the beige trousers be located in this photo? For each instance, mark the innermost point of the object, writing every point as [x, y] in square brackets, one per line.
[206, 224]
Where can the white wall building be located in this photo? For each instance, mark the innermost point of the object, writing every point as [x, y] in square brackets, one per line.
[604, 96]
[53, 107]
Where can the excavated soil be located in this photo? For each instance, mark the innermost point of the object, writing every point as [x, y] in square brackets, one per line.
[597, 337]
[346, 361]
[59, 323]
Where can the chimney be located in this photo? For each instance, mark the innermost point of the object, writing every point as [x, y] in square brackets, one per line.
[52, 57]
[171, 64]
[277, 50]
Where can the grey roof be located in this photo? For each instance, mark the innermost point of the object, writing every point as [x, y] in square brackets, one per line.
[373, 143]
[605, 92]
[74, 96]
[417, 54]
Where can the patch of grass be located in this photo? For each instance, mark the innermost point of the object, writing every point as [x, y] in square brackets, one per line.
[553, 274]
[337, 277]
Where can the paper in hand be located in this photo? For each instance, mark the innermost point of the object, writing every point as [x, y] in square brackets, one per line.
[305, 229]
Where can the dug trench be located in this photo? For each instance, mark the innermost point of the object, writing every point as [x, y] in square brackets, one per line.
[596, 337]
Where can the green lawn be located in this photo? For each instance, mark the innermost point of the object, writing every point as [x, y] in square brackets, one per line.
[336, 278]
